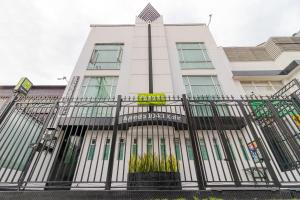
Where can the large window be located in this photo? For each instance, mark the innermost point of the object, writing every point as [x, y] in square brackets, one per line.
[207, 86]
[99, 87]
[106, 149]
[202, 85]
[106, 56]
[261, 87]
[193, 56]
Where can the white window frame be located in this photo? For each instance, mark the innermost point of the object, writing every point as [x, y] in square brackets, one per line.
[255, 85]
[82, 93]
[216, 86]
[202, 48]
[93, 59]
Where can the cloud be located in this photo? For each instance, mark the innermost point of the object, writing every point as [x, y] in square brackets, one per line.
[42, 39]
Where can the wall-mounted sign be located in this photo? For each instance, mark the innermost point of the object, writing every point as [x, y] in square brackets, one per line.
[155, 116]
[296, 119]
[23, 86]
[155, 99]
[283, 108]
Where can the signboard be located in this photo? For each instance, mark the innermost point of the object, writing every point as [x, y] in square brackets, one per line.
[282, 107]
[23, 86]
[139, 117]
[254, 151]
[296, 119]
[155, 99]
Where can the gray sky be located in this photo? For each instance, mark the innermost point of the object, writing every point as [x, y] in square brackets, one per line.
[42, 39]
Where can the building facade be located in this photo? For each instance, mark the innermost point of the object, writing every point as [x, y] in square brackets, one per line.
[211, 136]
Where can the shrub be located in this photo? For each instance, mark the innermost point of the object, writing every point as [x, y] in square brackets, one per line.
[151, 163]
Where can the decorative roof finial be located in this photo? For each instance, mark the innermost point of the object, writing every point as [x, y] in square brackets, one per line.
[149, 14]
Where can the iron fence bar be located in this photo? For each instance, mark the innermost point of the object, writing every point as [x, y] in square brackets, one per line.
[226, 145]
[197, 156]
[22, 142]
[260, 145]
[265, 137]
[113, 145]
[283, 128]
[34, 150]
[296, 99]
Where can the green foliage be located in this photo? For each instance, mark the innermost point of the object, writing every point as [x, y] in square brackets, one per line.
[151, 163]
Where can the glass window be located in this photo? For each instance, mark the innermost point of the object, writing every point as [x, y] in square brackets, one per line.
[96, 87]
[106, 149]
[134, 147]
[91, 150]
[106, 56]
[208, 86]
[202, 85]
[189, 149]
[99, 87]
[261, 87]
[217, 149]
[121, 149]
[193, 56]
[162, 148]
[177, 148]
[203, 150]
[149, 146]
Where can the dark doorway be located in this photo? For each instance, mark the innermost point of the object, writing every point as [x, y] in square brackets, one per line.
[279, 147]
[63, 170]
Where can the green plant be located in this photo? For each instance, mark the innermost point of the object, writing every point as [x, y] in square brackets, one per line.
[151, 163]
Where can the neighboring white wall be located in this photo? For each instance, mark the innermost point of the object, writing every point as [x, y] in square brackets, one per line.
[254, 65]
[286, 58]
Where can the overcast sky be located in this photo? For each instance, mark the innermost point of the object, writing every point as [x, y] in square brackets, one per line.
[42, 39]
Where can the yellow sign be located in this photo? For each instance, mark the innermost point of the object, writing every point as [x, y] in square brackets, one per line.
[23, 86]
[155, 99]
[296, 119]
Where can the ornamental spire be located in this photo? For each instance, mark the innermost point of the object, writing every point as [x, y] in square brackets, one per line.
[149, 14]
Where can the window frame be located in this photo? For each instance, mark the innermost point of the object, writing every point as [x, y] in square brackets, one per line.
[256, 85]
[85, 85]
[217, 86]
[106, 151]
[91, 149]
[204, 53]
[122, 146]
[121, 49]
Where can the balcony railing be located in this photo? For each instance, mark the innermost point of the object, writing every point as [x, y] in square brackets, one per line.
[118, 144]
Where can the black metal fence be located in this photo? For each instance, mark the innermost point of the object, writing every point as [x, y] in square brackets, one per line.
[118, 144]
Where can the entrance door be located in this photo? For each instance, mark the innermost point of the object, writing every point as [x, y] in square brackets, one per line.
[62, 173]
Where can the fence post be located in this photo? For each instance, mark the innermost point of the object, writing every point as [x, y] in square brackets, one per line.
[260, 146]
[113, 145]
[197, 156]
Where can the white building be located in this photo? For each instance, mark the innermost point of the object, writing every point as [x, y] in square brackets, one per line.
[174, 59]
